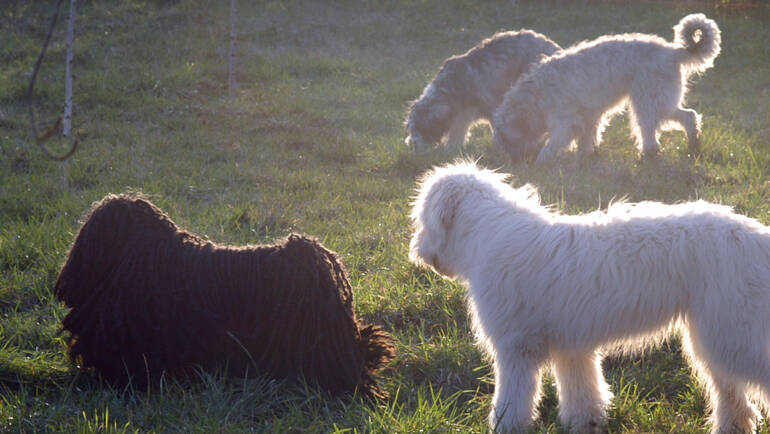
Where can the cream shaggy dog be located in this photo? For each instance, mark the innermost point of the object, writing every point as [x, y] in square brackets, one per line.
[469, 87]
[572, 94]
[546, 289]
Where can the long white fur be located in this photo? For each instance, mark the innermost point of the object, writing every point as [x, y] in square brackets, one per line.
[561, 290]
[574, 93]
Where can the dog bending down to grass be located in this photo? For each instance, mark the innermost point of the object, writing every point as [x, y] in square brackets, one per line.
[547, 289]
[149, 298]
[573, 94]
[469, 87]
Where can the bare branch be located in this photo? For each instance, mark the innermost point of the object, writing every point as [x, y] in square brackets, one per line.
[55, 129]
[45, 47]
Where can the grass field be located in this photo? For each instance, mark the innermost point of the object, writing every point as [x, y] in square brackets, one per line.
[313, 143]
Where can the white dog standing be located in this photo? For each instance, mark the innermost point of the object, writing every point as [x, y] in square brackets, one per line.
[555, 290]
[573, 93]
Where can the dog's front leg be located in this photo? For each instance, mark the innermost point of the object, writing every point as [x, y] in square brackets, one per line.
[583, 394]
[560, 139]
[517, 392]
[458, 132]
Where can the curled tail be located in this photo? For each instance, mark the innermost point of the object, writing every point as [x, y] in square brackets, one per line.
[701, 39]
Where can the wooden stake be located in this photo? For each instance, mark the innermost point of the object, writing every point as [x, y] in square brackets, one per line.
[231, 79]
[67, 120]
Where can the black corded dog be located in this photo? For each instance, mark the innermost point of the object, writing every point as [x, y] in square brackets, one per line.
[147, 297]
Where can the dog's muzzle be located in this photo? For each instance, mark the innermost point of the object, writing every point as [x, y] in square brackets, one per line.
[416, 143]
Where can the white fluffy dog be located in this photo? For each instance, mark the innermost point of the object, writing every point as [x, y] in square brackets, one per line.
[555, 290]
[573, 93]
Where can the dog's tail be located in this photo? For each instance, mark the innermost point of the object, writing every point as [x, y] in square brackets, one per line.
[701, 39]
[378, 349]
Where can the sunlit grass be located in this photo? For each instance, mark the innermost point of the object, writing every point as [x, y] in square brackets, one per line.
[313, 142]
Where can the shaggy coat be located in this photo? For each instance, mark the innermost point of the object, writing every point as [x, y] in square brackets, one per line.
[149, 298]
[469, 87]
[547, 289]
[572, 94]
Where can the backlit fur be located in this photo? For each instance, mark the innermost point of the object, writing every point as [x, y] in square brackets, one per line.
[572, 95]
[548, 289]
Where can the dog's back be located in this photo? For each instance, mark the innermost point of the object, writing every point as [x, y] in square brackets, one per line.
[599, 74]
[607, 68]
[500, 60]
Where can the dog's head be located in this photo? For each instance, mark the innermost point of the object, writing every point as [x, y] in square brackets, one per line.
[450, 202]
[429, 119]
[517, 124]
[459, 212]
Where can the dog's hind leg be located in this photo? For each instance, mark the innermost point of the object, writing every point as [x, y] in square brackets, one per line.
[732, 411]
[645, 123]
[583, 394]
[589, 140]
[690, 120]
[517, 392]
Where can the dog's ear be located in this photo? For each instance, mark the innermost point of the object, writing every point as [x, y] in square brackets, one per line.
[434, 215]
[445, 204]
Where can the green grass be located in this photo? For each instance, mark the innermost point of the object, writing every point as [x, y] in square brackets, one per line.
[314, 143]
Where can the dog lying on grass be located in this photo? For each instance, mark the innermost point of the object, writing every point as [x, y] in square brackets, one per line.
[547, 289]
[149, 298]
[469, 87]
[572, 94]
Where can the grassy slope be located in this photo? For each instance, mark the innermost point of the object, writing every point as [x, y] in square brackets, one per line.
[313, 143]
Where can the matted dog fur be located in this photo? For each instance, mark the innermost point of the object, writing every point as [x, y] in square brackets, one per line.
[149, 298]
[547, 289]
[469, 87]
[572, 94]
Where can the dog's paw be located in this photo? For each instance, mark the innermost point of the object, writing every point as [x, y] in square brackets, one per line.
[650, 155]
[591, 425]
[650, 151]
[587, 151]
[417, 145]
[693, 145]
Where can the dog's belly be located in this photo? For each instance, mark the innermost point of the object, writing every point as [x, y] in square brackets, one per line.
[569, 317]
[601, 316]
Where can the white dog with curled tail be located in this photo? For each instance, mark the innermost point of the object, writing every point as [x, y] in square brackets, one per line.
[572, 94]
[547, 289]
